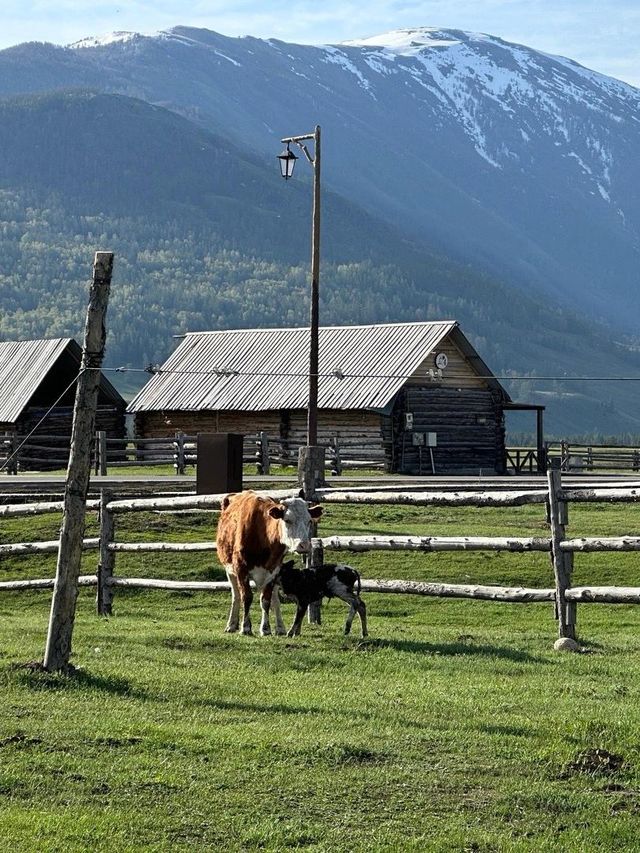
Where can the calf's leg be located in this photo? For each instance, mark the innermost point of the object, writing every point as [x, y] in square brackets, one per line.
[277, 612]
[294, 630]
[357, 605]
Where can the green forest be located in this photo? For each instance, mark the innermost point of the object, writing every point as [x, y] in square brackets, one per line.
[205, 237]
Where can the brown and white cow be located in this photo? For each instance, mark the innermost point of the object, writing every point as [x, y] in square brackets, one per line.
[254, 534]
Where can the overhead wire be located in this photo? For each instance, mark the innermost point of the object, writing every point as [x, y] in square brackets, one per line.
[43, 418]
[339, 374]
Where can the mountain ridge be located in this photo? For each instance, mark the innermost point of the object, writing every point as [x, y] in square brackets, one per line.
[519, 163]
[401, 225]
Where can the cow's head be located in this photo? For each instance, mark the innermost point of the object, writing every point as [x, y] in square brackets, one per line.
[295, 523]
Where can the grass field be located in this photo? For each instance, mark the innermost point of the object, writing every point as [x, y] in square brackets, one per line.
[454, 726]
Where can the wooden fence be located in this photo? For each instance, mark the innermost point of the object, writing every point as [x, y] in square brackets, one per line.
[561, 548]
[594, 457]
[50, 453]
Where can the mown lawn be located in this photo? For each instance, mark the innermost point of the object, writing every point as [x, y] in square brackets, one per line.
[453, 727]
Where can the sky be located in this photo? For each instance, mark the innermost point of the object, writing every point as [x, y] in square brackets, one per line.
[602, 34]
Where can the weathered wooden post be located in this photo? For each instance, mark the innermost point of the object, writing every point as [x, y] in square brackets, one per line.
[264, 453]
[101, 461]
[336, 468]
[10, 444]
[311, 470]
[107, 560]
[562, 561]
[316, 560]
[180, 463]
[65, 591]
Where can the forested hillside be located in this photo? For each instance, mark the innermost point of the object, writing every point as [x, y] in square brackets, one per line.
[205, 238]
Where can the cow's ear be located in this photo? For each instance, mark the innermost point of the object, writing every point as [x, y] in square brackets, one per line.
[226, 500]
[315, 511]
[277, 511]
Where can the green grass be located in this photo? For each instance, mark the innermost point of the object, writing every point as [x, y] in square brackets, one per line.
[453, 727]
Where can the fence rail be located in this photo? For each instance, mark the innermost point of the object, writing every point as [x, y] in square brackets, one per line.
[51, 452]
[560, 547]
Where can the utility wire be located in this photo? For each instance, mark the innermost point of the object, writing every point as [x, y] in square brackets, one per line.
[338, 374]
[43, 418]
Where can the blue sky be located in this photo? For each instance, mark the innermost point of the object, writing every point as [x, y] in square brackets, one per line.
[601, 34]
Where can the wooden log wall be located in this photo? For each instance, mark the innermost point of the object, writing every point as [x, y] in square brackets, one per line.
[469, 424]
[360, 433]
[47, 453]
[163, 424]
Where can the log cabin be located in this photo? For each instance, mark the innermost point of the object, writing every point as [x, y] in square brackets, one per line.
[413, 398]
[36, 374]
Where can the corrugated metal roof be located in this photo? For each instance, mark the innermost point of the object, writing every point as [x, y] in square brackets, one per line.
[25, 364]
[273, 365]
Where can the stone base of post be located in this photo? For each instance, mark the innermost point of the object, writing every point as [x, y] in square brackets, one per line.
[311, 470]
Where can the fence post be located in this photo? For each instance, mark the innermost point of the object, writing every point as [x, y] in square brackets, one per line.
[107, 559]
[180, 463]
[562, 561]
[316, 560]
[262, 454]
[101, 453]
[11, 445]
[336, 468]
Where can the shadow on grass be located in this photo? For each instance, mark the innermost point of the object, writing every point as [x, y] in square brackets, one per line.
[450, 649]
[261, 708]
[34, 676]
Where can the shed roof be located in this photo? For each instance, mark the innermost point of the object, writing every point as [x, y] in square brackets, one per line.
[267, 369]
[24, 366]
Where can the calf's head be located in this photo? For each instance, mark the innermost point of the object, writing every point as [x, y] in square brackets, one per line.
[295, 523]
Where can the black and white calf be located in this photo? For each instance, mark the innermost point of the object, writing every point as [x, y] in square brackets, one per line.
[333, 580]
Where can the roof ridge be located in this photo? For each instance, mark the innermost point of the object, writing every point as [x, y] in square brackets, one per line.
[266, 330]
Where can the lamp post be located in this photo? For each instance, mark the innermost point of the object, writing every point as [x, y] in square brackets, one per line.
[287, 163]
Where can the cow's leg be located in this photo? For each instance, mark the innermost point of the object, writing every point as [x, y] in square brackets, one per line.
[233, 622]
[246, 596]
[262, 578]
[294, 630]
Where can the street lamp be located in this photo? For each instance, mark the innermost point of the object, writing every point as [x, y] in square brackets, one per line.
[287, 162]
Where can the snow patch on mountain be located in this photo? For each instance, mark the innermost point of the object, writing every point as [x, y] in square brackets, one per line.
[337, 57]
[101, 41]
[468, 72]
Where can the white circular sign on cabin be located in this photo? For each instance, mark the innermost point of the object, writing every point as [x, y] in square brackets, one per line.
[441, 360]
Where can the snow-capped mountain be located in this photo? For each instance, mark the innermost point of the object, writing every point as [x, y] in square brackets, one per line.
[497, 154]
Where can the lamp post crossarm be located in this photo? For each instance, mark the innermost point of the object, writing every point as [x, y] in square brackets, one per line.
[302, 138]
[298, 140]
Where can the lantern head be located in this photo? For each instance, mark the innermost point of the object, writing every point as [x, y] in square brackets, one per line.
[287, 162]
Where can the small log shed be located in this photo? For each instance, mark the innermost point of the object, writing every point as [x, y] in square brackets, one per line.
[416, 397]
[33, 374]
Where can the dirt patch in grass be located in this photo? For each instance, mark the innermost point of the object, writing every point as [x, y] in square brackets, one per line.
[594, 762]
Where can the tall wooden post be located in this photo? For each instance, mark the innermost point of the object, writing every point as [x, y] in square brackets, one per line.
[314, 316]
[65, 591]
[562, 562]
